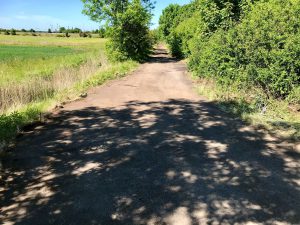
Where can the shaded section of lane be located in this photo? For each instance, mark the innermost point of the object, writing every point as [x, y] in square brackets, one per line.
[161, 162]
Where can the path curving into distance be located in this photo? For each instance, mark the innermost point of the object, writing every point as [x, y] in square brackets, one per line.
[146, 149]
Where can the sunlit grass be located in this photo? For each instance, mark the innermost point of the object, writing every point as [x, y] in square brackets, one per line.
[36, 73]
[252, 105]
[26, 57]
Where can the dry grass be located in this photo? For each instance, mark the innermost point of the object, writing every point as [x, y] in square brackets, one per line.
[15, 94]
[34, 69]
[252, 105]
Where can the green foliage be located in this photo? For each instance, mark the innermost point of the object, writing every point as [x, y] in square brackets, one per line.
[102, 32]
[83, 34]
[6, 32]
[109, 11]
[155, 36]
[13, 32]
[130, 37]
[69, 30]
[11, 124]
[167, 20]
[62, 30]
[272, 29]
[263, 50]
[248, 43]
[127, 26]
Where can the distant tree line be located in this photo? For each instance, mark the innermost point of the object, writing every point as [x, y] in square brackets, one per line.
[101, 32]
[62, 30]
[13, 31]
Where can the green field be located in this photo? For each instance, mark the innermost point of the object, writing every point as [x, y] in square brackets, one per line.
[8, 53]
[25, 57]
[39, 72]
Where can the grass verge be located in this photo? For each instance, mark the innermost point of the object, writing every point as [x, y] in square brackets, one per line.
[12, 123]
[279, 117]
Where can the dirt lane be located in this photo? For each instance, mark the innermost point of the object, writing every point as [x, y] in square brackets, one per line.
[147, 149]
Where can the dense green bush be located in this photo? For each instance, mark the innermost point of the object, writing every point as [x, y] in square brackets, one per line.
[269, 43]
[263, 50]
[249, 44]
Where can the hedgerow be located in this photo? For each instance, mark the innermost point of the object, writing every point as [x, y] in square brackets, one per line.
[253, 44]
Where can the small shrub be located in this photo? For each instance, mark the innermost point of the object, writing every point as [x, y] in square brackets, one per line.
[130, 38]
[13, 32]
[83, 34]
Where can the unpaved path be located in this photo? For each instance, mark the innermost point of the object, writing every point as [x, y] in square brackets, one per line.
[147, 149]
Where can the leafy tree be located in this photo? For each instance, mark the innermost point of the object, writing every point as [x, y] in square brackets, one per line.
[104, 10]
[13, 32]
[23, 30]
[102, 32]
[76, 30]
[170, 19]
[49, 31]
[32, 30]
[130, 37]
[62, 30]
[167, 19]
[127, 26]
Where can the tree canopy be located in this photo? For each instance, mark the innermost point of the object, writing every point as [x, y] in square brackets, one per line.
[127, 24]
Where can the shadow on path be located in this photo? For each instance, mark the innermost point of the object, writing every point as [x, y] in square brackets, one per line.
[170, 162]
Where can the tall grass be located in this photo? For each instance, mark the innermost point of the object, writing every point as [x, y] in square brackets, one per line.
[14, 95]
[35, 82]
[11, 123]
[278, 116]
[34, 71]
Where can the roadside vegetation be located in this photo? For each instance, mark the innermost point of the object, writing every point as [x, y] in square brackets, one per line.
[244, 54]
[41, 70]
[39, 73]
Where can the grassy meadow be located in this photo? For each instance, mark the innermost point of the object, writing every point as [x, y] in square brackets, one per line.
[27, 57]
[38, 72]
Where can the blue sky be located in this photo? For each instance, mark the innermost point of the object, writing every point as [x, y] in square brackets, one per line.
[44, 14]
